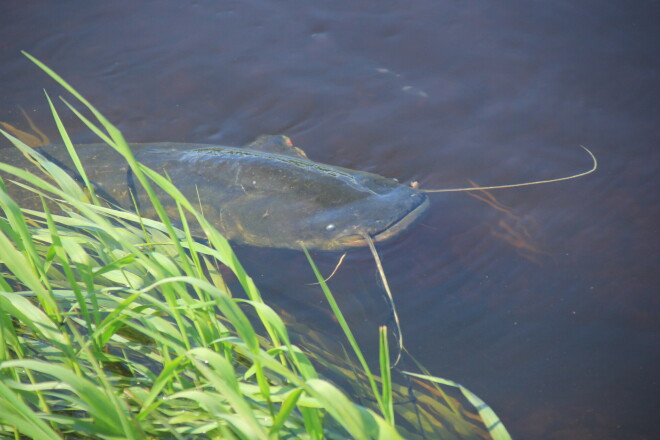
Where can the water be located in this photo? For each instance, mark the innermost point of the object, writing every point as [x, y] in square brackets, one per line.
[546, 307]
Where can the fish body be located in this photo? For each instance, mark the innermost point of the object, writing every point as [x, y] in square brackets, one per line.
[267, 193]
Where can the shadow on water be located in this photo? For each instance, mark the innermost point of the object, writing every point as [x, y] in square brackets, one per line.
[543, 300]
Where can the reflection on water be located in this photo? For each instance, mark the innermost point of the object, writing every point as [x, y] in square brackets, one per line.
[540, 300]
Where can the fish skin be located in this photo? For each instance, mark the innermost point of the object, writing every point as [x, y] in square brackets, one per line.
[271, 197]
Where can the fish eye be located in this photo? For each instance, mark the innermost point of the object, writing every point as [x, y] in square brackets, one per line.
[330, 227]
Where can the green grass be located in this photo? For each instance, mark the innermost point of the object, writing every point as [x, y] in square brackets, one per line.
[114, 326]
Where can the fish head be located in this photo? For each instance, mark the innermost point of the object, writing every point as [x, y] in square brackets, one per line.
[387, 209]
[288, 201]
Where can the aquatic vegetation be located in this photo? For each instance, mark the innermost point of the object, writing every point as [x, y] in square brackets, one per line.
[117, 326]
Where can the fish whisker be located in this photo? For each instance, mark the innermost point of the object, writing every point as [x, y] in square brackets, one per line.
[397, 331]
[415, 185]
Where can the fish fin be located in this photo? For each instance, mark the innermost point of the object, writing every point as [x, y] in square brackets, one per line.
[279, 144]
[35, 139]
[27, 138]
[43, 139]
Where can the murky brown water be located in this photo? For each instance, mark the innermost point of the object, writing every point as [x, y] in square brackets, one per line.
[546, 306]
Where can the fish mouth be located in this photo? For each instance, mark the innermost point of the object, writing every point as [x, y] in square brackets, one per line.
[395, 228]
[403, 223]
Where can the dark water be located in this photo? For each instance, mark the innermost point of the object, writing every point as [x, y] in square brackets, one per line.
[546, 306]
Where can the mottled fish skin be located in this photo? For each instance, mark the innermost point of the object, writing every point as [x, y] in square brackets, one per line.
[269, 196]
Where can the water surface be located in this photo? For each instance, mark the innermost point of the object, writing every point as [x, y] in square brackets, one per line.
[543, 300]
